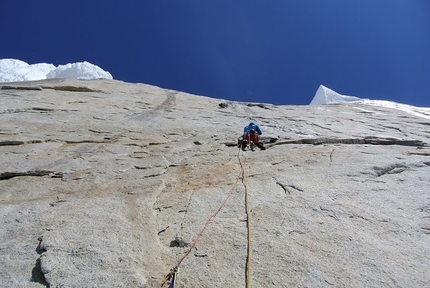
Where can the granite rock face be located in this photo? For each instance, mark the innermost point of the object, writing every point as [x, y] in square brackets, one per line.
[106, 184]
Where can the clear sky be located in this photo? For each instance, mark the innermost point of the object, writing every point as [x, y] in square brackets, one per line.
[258, 51]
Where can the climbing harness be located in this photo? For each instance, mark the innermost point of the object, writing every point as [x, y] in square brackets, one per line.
[244, 141]
[170, 278]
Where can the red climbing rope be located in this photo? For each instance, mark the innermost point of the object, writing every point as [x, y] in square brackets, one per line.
[170, 275]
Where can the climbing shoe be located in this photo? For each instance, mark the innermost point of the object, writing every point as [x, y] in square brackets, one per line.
[244, 144]
[260, 145]
[239, 142]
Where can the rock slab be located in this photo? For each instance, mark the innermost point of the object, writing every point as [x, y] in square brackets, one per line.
[106, 184]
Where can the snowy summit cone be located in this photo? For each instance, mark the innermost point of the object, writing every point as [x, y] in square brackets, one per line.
[325, 95]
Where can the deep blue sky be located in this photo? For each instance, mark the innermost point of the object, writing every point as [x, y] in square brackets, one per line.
[266, 51]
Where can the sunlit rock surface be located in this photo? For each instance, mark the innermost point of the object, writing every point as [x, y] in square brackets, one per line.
[106, 184]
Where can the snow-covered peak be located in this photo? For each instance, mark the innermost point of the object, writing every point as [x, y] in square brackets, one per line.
[13, 70]
[80, 70]
[325, 95]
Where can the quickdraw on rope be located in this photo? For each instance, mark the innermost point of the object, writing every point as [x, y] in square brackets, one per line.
[169, 276]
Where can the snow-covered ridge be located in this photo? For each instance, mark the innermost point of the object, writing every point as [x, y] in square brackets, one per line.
[325, 95]
[13, 70]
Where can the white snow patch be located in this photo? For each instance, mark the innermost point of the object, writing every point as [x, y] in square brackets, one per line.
[417, 111]
[13, 70]
[325, 95]
[80, 70]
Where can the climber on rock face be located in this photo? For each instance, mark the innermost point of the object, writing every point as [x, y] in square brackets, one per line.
[250, 136]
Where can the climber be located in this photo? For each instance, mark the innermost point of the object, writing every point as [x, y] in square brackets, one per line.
[250, 136]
